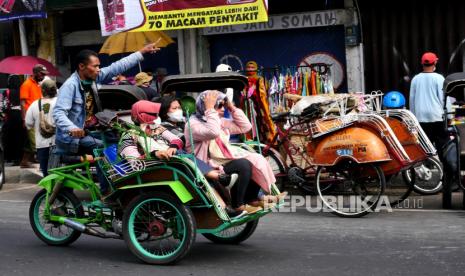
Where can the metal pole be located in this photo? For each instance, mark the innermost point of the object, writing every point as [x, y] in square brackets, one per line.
[181, 51]
[193, 51]
[22, 38]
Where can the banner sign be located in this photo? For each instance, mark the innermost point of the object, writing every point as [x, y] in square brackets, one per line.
[17, 9]
[153, 15]
[288, 21]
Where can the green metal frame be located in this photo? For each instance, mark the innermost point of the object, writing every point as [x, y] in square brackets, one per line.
[70, 178]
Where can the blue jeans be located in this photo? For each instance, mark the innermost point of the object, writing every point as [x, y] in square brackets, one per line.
[42, 156]
[86, 146]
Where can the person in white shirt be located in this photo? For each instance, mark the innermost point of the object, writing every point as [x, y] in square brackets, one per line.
[427, 100]
[33, 121]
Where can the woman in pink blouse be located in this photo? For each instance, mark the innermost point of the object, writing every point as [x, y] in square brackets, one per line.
[210, 134]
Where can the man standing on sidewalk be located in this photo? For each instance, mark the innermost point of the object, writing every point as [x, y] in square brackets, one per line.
[427, 100]
[78, 102]
[39, 118]
[29, 92]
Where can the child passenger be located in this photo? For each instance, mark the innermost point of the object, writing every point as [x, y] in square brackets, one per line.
[163, 144]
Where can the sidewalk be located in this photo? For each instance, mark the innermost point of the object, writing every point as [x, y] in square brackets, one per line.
[17, 175]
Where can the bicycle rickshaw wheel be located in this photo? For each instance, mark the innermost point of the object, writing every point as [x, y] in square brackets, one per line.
[397, 194]
[55, 233]
[158, 229]
[359, 194]
[428, 177]
[234, 235]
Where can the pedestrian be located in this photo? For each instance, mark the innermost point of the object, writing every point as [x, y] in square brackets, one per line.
[143, 81]
[427, 100]
[39, 118]
[13, 131]
[29, 92]
[78, 102]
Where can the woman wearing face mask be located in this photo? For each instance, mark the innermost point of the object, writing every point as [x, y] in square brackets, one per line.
[210, 134]
[161, 143]
[172, 116]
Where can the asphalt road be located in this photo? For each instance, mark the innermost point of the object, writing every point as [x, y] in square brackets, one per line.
[414, 242]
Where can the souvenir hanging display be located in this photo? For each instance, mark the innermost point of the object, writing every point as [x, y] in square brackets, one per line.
[267, 86]
[308, 80]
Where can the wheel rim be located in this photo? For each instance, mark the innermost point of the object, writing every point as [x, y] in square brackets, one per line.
[53, 231]
[157, 229]
[274, 165]
[358, 193]
[428, 176]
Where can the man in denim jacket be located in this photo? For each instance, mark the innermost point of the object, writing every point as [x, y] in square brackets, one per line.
[78, 102]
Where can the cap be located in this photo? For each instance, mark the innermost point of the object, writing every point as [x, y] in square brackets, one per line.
[223, 68]
[48, 84]
[142, 77]
[39, 68]
[429, 58]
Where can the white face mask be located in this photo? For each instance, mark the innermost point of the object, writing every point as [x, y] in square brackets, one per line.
[176, 116]
[157, 121]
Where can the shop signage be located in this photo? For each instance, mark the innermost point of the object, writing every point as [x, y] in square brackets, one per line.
[287, 21]
[151, 15]
[15, 9]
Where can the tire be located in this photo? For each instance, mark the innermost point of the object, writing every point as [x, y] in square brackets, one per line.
[72, 207]
[428, 177]
[398, 193]
[168, 214]
[309, 187]
[234, 235]
[364, 182]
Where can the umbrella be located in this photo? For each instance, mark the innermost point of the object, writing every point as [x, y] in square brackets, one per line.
[126, 42]
[22, 65]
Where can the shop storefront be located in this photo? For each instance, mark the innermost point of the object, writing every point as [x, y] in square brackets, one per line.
[294, 42]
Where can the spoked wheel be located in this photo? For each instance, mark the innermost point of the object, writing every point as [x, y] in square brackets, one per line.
[234, 235]
[327, 179]
[54, 233]
[358, 193]
[397, 190]
[428, 177]
[158, 229]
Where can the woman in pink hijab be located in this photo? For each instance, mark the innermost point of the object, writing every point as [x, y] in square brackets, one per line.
[210, 134]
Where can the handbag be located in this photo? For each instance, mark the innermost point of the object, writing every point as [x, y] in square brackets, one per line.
[46, 129]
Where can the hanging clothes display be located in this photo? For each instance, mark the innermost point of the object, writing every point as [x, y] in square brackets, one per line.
[308, 80]
[257, 106]
[266, 88]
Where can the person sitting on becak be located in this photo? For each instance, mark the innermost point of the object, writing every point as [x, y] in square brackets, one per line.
[210, 134]
[163, 144]
[79, 101]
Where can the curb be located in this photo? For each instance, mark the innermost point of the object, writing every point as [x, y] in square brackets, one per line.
[17, 175]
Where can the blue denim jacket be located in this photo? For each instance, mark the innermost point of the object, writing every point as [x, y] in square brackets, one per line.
[70, 112]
